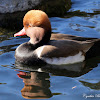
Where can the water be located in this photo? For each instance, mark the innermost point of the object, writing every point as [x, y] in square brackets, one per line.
[72, 82]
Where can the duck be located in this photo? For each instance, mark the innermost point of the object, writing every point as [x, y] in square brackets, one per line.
[45, 47]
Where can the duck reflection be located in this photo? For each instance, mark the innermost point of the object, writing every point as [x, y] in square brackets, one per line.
[95, 86]
[36, 85]
[37, 80]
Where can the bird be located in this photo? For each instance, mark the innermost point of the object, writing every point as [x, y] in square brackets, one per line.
[47, 48]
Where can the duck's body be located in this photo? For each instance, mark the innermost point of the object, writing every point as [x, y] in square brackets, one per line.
[55, 52]
[60, 49]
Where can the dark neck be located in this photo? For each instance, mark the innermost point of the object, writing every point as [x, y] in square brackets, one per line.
[46, 38]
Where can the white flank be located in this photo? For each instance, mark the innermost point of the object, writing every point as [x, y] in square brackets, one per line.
[65, 60]
[61, 60]
[39, 51]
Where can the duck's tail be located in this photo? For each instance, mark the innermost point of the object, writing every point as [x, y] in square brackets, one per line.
[94, 49]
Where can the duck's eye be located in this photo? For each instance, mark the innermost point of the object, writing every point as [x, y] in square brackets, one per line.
[27, 25]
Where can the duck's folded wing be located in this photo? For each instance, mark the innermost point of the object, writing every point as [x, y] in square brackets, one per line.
[62, 48]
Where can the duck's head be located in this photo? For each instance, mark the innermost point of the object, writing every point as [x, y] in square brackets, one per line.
[37, 26]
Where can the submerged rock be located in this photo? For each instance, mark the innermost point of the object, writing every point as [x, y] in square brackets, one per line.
[13, 11]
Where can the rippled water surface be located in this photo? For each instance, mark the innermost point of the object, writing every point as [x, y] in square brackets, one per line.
[70, 82]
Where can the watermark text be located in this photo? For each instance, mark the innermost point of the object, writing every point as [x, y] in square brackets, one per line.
[91, 95]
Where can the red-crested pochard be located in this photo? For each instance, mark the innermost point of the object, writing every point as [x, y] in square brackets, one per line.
[60, 49]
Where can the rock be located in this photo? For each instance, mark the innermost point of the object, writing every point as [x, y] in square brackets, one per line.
[13, 11]
[55, 7]
[10, 6]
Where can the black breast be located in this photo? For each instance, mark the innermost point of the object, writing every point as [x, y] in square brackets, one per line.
[25, 54]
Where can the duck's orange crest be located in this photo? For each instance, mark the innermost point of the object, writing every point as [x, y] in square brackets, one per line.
[36, 18]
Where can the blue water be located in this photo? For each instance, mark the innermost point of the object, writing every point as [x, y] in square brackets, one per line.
[72, 82]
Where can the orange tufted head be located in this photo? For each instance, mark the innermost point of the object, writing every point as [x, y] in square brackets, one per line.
[36, 18]
[37, 26]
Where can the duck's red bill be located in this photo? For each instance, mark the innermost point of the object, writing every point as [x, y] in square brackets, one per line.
[20, 33]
